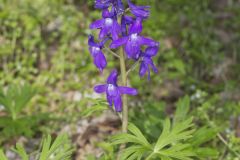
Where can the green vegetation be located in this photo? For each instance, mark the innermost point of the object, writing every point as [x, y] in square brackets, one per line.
[47, 79]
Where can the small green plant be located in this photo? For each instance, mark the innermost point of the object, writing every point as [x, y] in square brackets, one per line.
[59, 149]
[14, 99]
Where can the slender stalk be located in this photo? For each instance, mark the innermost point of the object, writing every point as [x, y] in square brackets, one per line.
[220, 136]
[124, 100]
[133, 67]
[110, 51]
[124, 81]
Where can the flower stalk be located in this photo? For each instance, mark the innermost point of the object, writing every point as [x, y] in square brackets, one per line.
[124, 81]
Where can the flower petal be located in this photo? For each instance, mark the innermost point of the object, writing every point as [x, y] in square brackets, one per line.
[136, 27]
[148, 42]
[104, 32]
[100, 88]
[97, 24]
[100, 4]
[100, 61]
[112, 78]
[109, 99]
[119, 7]
[129, 19]
[118, 103]
[132, 49]
[143, 69]
[101, 44]
[126, 20]
[127, 90]
[115, 30]
[139, 11]
[91, 41]
[151, 51]
[154, 68]
[119, 42]
[94, 51]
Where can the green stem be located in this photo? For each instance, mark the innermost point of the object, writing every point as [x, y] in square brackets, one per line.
[124, 81]
[150, 156]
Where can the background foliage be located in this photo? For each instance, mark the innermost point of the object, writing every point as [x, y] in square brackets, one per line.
[46, 74]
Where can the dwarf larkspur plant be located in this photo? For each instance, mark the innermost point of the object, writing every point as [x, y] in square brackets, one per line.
[122, 27]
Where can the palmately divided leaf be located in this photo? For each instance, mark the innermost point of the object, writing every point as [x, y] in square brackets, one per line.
[126, 138]
[133, 129]
[16, 98]
[133, 151]
[170, 145]
[178, 151]
[60, 148]
[177, 133]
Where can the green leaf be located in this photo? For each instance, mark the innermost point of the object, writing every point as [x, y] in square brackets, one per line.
[133, 129]
[21, 152]
[180, 131]
[97, 108]
[60, 149]
[136, 151]
[178, 151]
[171, 144]
[182, 108]
[15, 98]
[2, 155]
[205, 152]
[202, 136]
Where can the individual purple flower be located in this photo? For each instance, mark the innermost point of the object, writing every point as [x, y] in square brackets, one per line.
[96, 52]
[139, 11]
[108, 25]
[133, 41]
[147, 61]
[113, 91]
[117, 5]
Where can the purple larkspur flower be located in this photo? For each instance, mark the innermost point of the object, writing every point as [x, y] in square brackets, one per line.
[133, 41]
[139, 11]
[117, 5]
[147, 61]
[113, 91]
[108, 25]
[96, 52]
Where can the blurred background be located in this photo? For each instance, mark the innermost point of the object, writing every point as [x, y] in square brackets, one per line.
[43, 43]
